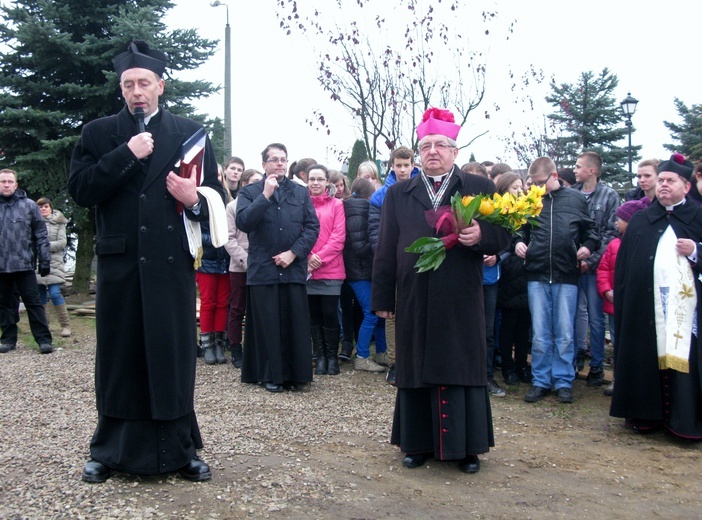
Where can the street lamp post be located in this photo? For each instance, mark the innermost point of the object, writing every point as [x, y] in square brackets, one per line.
[628, 105]
[227, 83]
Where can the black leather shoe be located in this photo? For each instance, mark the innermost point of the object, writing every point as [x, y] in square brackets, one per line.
[536, 394]
[46, 348]
[524, 374]
[414, 461]
[271, 387]
[595, 377]
[565, 395]
[95, 472]
[6, 347]
[390, 376]
[346, 351]
[196, 470]
[471, 464]
[643, 425]
[290, 386]
[580, 360]
[512, 379]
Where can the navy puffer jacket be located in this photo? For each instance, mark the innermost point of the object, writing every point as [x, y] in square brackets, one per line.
[358, 256]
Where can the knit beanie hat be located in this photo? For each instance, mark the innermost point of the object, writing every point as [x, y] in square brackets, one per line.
[627, 210]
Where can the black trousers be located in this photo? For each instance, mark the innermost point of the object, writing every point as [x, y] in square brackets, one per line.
[514, 330]
[26, 284]
[323, 310]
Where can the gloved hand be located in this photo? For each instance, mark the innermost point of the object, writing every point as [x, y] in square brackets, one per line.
[44, 269]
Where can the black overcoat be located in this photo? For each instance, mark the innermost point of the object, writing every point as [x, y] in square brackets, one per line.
[638, 393]
[146, 329]
[440, 323]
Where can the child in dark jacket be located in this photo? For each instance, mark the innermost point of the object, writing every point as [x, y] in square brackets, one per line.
[358, 259]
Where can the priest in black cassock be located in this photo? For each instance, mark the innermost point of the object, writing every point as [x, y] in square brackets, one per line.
[146, 329]
[657, 303]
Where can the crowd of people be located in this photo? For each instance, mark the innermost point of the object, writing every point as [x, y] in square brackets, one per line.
[311, 268]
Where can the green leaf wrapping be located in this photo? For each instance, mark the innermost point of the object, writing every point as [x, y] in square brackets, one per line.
[432, 251]
[431, 260]
[424, 245]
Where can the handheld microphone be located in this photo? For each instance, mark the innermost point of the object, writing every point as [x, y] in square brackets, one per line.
[139, 115]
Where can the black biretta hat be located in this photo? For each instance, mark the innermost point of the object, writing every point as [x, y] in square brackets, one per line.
[677, 164]
[139, 55]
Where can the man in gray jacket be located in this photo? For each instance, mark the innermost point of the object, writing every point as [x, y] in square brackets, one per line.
[23, 238]
[602, 203]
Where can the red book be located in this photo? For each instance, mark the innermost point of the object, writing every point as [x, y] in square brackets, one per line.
[192, 156]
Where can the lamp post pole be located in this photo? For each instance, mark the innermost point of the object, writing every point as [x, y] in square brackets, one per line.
[628, 105]
[227, 84]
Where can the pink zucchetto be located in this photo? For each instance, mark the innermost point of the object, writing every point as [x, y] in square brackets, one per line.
[438, 121]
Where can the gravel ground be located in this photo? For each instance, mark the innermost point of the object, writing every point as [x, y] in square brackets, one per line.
[324, 453]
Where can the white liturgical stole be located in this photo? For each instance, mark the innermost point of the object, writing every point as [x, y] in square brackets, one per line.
[675, 304]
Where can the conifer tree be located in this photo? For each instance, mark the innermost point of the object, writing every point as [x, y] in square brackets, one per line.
[56, 74]
[589, 118]
[688, 134]
[359, 153]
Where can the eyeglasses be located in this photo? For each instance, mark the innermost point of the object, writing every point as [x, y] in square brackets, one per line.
[277, 160]
[439, 147]
[541, 183]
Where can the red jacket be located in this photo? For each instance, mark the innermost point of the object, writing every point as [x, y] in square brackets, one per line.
[332, 236]
[605, 272]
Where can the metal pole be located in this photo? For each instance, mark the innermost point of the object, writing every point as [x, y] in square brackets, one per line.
[228, 90]
[628, 124]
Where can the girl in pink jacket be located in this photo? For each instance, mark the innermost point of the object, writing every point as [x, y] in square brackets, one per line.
[326, 271]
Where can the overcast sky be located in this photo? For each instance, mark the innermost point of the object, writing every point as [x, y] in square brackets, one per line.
[649, 47]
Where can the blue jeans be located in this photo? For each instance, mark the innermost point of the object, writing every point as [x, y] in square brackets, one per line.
[552, 309]
[590, 313]
[610, 321]
[54, 294]
[371, 323]
[490, 302]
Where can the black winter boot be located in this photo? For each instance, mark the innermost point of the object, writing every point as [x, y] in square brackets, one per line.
[346, 351]
[220, 341]
[331, 347]
[318, 349]
[207, 341]
[237, 355]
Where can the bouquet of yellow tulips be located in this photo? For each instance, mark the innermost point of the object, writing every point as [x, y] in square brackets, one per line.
[509, 211]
